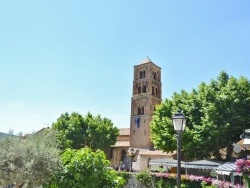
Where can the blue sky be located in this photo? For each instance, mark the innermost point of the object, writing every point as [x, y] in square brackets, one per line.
[58, 56]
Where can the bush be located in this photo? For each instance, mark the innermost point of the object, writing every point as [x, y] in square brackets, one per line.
[144, 178]
[124, 175]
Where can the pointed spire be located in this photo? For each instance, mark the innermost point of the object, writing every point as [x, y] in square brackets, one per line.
[147, 60]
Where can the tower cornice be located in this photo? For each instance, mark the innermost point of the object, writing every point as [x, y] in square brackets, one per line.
[147, 61]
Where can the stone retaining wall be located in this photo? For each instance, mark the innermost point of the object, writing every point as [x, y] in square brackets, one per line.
[134, 183]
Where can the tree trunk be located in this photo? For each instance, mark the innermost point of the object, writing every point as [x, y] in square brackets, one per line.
[229, 153]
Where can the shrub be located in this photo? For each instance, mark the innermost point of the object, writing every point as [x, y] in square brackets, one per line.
[124, 175]
[144, 178]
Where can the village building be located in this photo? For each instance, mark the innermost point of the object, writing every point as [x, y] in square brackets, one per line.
[133, 148]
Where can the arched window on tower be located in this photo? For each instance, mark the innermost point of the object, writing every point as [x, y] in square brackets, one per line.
[138, 111]
[153, 90]
[156, 91]
[144, 89]
[139, 89]
[154, 75]
[142, 110]
[140, 74]
[144, 74]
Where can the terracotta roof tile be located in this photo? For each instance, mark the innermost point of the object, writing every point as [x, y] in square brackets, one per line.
[124, 131]
[155, 152]
[121, 144]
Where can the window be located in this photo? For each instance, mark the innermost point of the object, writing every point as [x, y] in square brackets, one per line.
[149, 159]
[154, 75]
[142, 110]
[144, 74]
[139, 89]
[153, 90]
[138, 111]
[140, 74]
[123, 154]
[156, 91]
[144, 89]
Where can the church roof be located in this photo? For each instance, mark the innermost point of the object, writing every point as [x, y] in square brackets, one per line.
[155, 152]
[147, 60]
[124, 131]
[121, 144]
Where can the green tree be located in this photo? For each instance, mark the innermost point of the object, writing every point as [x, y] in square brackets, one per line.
[29, 160]
[84, 168]
[76, 131]
[217, 113]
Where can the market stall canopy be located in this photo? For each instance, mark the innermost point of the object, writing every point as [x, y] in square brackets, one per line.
[227, 169]
[166, 162]
[203, 164]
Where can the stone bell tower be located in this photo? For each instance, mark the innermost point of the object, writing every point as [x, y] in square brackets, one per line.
[146, 95]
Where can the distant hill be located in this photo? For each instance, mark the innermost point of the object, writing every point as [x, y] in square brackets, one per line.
[3, 134]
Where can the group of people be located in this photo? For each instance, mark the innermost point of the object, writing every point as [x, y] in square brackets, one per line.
[121, 167]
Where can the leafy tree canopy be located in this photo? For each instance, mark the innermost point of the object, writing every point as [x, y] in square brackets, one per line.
[217, 113]
[84, 168]
[76, 131]
[29, 160]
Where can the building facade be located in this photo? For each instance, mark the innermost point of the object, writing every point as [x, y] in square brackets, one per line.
[146, 95]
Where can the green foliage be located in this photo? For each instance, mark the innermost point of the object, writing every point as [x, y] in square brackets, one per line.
[28, 160]
[124, 175]
[144, 178]
[162, 182]
[85, 169]
[212, 110]
[76, 131]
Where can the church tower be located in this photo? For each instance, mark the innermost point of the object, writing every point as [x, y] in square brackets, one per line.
[146, 95]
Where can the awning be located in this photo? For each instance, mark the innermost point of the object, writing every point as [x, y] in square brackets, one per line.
[203, 164]
[227, 169]
[166, 162]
